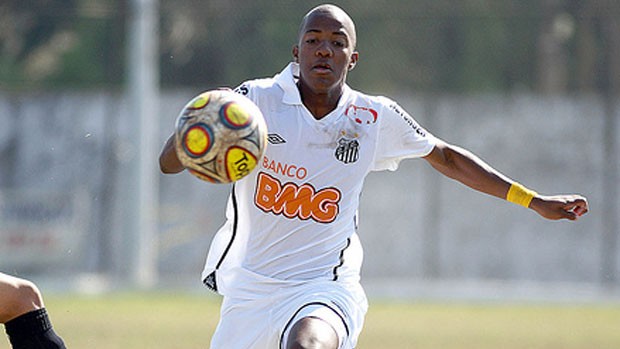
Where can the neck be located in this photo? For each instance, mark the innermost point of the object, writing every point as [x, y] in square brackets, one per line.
[319, 104]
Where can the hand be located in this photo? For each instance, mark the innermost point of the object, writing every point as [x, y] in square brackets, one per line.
[560, 206]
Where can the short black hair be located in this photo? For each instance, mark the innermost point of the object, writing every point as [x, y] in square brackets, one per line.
[334, 10]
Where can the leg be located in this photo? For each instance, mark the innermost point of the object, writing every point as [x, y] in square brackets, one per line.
[24, 317]
[316, 325]
[312, 333]
[17, 297]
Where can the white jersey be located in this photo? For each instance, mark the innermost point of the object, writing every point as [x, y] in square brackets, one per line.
[293, 219]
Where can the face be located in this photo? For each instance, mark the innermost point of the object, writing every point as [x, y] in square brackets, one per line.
[326, 51]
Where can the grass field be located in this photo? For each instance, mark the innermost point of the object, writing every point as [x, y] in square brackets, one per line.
[170, 321]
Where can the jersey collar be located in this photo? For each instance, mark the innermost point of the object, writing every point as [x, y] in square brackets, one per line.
[287, 80]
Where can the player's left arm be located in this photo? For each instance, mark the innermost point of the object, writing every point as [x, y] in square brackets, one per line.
[467, 168]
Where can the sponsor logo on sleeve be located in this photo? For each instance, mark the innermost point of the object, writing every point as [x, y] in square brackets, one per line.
[408, 119]
[243, 90]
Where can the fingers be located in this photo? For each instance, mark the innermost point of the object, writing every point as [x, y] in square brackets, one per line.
[580, 210]
[555, 207]
[570, 215]
[578, 205]
[575, 207]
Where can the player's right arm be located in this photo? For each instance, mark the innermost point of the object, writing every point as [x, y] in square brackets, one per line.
[168, 160]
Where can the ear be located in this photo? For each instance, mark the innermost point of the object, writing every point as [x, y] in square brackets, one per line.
[353, 61]
[296, 54]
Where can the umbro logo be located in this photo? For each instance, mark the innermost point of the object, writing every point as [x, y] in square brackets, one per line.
[275, 138]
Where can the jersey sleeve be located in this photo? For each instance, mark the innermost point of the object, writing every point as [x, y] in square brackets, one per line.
[400, 137]
[246, 89]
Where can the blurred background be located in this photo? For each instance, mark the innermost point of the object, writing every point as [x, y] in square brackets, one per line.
[90, 90]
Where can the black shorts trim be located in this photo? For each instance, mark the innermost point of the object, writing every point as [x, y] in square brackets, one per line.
[234, 230]
[210, 280]
[341, 260]
[289, 323]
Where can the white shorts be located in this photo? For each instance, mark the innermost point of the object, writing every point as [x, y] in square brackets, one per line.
[264, 323]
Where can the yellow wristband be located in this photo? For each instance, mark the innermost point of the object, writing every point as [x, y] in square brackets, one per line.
[520, 195]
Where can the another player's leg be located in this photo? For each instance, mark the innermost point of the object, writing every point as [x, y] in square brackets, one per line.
[24, 316]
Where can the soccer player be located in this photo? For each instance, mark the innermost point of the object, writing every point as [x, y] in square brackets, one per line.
[287, 261]
[24, 316]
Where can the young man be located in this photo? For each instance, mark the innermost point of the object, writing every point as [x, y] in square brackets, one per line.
[288, 259]
[24, 316]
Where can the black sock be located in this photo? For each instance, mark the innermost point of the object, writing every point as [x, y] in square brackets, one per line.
[33, 330]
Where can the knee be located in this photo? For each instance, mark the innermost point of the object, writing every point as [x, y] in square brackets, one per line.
[19, 296]
[312, 333]
[27, 294]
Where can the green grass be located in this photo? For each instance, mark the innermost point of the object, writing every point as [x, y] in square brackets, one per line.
[169, 321]
[462, 326]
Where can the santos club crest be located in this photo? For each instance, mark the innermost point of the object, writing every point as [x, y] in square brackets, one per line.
[347, 150]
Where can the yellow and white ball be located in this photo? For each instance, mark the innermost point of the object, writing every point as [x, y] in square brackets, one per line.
[220, 136]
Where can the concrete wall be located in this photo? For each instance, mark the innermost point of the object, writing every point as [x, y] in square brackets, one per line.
[442, 230]
[415, 225]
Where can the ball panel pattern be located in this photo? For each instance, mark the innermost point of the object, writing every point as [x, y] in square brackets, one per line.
[220, 136]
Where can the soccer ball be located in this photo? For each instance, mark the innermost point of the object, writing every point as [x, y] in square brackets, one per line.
[220, 136]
